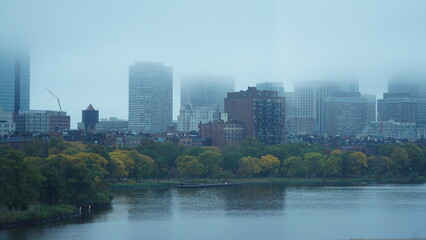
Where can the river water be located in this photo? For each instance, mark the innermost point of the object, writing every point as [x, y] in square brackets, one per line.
[247, 212]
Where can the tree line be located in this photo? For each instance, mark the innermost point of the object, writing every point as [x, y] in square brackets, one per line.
[58, 172]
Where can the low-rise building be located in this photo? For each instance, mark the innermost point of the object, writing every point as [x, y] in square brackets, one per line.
[7, 126]
[221, 133]
[42, 121]
[190, 117]
[394, 130]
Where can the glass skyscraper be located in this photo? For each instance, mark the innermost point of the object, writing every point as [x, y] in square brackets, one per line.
[14, 80]
[150, 97]
[206, 90]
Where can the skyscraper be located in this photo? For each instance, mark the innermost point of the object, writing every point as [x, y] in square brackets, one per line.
[14, 80]
[206, 90]
[345, 114]
[309, 97]
[413, 87]
[150, 97]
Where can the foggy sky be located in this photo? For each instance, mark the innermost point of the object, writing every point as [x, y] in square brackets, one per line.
[81, 50]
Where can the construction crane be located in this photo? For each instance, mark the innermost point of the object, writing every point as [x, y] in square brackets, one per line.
[59, 102]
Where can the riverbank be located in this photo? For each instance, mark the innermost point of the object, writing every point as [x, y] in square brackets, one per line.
[209, 182]
[10, 219]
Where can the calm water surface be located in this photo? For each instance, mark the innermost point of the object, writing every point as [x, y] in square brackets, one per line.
[249, 212]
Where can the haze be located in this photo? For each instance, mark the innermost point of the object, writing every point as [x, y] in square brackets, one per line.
[81, 50]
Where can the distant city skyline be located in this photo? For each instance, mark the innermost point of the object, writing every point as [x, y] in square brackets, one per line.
[81, 50]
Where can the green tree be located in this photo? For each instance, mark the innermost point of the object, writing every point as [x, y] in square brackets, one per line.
[379, 165]
[249, 166]
[189, 166]
[312, 161]
[231, 160]
[211, 160]
[19, 181]
[329, 166]
[416, 157]
[143, 165]
[401, 161]
[252, 147]
[295, 167]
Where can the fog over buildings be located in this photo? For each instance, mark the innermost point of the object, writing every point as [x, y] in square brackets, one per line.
[81, 50]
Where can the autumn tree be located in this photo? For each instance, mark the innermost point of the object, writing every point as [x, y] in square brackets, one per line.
[269, 164]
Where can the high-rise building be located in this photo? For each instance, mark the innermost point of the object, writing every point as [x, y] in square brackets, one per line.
[400, 109]
[413, 87]
[150, 97]
[90, 117]
[261, 112]
[206, 90]
[309, 97]
[271, 86]
[371, 106]
[14, 80]
[345, 114]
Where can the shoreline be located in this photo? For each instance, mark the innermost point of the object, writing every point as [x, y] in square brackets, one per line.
[252, 181]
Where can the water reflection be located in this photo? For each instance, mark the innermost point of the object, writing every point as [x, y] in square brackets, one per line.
[247, 212]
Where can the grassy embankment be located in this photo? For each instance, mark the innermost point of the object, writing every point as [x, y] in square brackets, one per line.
[152, 183]
[35, 215]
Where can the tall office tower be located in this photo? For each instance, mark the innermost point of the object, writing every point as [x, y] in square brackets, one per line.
[205, 90]
[150, 97]
[309, 97]
[371, 106]
[14, 80]
[345, 114]
[416, 87]
[90, 117]
[271, 86]
[398, 107]
[289, 105]
[261, 112]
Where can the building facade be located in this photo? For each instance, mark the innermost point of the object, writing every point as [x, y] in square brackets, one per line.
[403, 110]
[394, 130]
[14, 80]
[345, 115]
[90, 117]
[371, 106]
[150, 97]
[310, 95]
[112, 124]
[42, 121]
[7, 126]
[409, 87]
[261, 112]
[189, 118]
[220, 133]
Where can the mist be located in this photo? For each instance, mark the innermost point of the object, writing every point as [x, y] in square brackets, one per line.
[81, 50]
